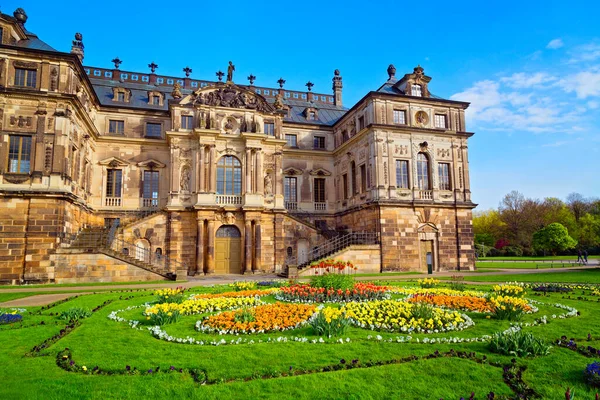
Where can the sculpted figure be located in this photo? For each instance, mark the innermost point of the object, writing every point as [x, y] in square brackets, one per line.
[230, 70]
[185, 180]
[268, 184]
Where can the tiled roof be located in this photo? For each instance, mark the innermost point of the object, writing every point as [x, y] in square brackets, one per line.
[328, 114]
[32, 41]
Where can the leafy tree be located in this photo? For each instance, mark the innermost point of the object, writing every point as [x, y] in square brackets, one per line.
[488, 222]
[578, 205]
[485, 239]
[553, 238]
[589, 230]
[555, 210]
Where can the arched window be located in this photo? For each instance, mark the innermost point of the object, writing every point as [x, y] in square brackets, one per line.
[289, 251]
[423, 171]
[228, 231]
[229, 176]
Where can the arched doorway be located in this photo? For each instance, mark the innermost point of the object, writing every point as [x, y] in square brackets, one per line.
[142, 250]
[228, 250]
[302, 247]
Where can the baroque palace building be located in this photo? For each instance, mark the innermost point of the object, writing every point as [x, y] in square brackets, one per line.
[107, 174]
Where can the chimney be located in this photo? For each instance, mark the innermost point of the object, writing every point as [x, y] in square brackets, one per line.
[77, 47]
[337, 88]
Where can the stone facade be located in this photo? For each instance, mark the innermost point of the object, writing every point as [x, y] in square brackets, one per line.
[222, 176]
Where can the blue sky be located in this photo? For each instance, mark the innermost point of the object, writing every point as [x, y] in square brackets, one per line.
[530, 69]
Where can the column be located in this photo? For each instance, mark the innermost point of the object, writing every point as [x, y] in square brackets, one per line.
[278, 179]
[201, 166]
[200, 247]
[260, 180]
[256, 265]
[248, 245]
[210, 248]
[213, 170]
[248, 169]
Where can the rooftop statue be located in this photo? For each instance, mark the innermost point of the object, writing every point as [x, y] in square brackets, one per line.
[230, 70]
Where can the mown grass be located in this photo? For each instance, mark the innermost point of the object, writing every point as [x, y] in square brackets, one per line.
[584, 275]
[514, 265]
[547, 258]
[90, 284]
[111, 346]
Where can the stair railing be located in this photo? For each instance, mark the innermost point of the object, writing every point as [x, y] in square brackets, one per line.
[163, 263]
[336, 244]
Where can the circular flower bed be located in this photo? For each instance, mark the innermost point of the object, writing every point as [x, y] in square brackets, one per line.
[241, 293]
[259, 319]
[436, 291]
[464, 303]
[395, 316]
[309, 294]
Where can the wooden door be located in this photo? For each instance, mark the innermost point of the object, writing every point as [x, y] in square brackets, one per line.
[427, 247]
[228, 250]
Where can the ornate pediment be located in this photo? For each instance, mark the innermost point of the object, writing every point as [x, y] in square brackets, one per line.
[292, 171]
[230, 96]
[151, 164]
[114, 162]
[319, 172]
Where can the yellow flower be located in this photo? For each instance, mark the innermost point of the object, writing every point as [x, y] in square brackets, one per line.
[84, 368]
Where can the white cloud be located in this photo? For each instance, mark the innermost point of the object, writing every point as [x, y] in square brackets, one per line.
[592, 105]
[524, 80]
[557, 144]
[584, 84]
[585, 53]
[555, 44]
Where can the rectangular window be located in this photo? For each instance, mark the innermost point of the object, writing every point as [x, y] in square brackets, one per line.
[155, 100]
[290, 191]
[270, 128]
[121, 96]
[19, 154]
[402, 174]
[440, 121]
[116, 127]
[153, 130]
[399, 117]
[113, 183]
[25, 77]
[415, 90]
[363, 178]
[361, 123]
[319, 142]
[444, 175]
[345, 186]
[186, 122]
[353, 176]
[150, 188]
[319, 190]
[292, 140]
[312, 115]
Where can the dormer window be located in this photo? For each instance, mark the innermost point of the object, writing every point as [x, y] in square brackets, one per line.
[121, 95]
[415, 90]
[311, 114]
[155, 98]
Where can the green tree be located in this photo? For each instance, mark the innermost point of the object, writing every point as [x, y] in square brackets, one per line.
[553, 238]
[589, 230]
[488, 222]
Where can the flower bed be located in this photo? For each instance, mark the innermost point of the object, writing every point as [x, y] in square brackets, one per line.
[259, 319]
[242, 293]
[508, 290]
[464, 303]
[509, 307]
[552, 288]
[309, 294]
[428, 283]
[10, 318]
[242, 285]
[169, 295]
[592, 374]
[200, 306]
[329, 322]
[436, 291]
[394, 316]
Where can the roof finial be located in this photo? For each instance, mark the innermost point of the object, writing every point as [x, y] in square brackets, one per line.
[152, 66]
[220, 75]
[187, 71]
[20, 15]
[281, 82]
[251, 78]
[391, 71]
[117, 61]
[309, 85]
[77, 47]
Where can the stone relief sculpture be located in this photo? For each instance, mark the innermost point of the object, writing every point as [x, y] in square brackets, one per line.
[268, 185]
[185, 180]
[229, 218]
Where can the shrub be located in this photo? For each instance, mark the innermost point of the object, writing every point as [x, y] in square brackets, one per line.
[513, 251]
[423, 311]
[428, 283]
[242, 285]
[75, 314]
[170, 295]
[592, 374]
[244, 316]
[518, 343]
[162, 317]
[329, 322]
[10, 318]
[332, 281]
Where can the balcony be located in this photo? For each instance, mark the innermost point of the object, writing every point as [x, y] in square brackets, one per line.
[424, 195]
[320, 206]
[291, 205]
[112, 202]
[226, 199]
[149, 203]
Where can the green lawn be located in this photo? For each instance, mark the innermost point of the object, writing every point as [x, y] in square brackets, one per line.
[241, 371]
[547, 258]
[91, 284]
[515, 265]
[585, 276]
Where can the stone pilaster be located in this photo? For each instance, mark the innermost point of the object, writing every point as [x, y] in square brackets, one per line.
[200, 247]
[210, 248]
[248, 247]
[256, 265]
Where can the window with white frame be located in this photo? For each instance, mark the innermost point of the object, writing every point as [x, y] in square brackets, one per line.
[114, 179]
[292, 140]
[444, 176]
[270, 128]
[19, 154]
[399, 117]
[290, 191]
[440, 121]
[319, 190]
[402, 174]
[415, 90]
[150, 188]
